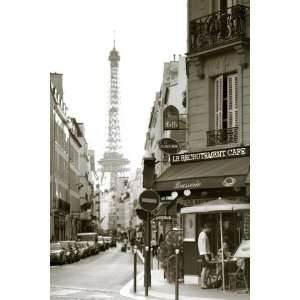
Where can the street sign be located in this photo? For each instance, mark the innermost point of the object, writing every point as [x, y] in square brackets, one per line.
[169, 146]
[149, 200]
[171, 118]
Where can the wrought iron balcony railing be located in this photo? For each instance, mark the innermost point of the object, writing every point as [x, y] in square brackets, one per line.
[61, 205]
[222, 136]
[219, 28]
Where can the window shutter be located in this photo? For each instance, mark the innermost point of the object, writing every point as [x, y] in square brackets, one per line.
[219, 102]
[232, 101]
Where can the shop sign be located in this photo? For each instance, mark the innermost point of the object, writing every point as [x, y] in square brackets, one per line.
[169, 146]
[210, 155]
[171, 118]
[163, 218]
[187, 185]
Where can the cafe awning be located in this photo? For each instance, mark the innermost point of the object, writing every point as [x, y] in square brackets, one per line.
[216, 206]
[204, 174]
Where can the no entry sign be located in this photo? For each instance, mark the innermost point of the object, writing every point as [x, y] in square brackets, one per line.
[149, 200]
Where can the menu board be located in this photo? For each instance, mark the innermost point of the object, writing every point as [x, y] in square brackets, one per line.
[189, 227]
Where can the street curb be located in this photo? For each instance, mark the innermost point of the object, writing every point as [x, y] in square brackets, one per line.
[126, 289]
[140, 255]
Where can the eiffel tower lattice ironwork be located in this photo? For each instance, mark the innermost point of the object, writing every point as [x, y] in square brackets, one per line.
[113, 161]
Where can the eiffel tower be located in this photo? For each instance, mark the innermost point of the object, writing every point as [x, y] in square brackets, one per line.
[113, 161]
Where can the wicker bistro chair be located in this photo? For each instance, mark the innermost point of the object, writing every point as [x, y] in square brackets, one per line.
[237, 280]
[214, 280]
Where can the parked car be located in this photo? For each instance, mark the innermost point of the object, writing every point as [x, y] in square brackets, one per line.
[91, 238]
[88, 249]
[113, 242]
[57, 254]
[75, 250]
[70, 255]
[83, 249]
[109, 238]
[106, 242]
[101, 243]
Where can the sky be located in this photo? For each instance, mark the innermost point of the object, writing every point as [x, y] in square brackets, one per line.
[148, 33]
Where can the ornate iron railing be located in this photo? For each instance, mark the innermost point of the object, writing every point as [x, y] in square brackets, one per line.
[61, 205]
[222, 136]
[218, 28]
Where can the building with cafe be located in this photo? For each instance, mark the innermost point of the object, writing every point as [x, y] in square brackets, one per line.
[216, 164]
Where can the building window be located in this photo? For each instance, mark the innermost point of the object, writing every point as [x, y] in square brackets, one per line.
[225, 111]
[226, 101]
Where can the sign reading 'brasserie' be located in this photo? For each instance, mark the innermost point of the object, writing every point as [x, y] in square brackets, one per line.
[210, 155]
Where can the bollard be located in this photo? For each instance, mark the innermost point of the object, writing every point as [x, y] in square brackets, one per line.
[134, 267]
[176, 275]
[146, 263]
[158, 257]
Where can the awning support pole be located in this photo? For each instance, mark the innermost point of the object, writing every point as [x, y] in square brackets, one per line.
[222, 250]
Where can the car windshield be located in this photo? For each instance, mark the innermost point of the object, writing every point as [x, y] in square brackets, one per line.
[55, 246]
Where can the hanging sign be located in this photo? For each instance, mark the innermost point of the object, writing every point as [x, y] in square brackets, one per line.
[211, 155]
[171, 118]
[169, 146]
[149, 200]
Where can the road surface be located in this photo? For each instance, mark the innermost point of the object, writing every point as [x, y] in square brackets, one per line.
[96, 277]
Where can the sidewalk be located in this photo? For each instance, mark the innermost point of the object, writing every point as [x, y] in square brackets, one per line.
[161, 289]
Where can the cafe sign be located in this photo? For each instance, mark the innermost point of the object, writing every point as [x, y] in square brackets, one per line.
[211, 155]
[169, 146]
[171, 118]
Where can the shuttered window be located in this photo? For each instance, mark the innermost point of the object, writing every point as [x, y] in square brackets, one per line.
[232, 101]
[226, 101]
[219, 102]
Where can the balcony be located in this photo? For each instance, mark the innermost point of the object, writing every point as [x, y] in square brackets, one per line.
[222, 136]
[219, 29]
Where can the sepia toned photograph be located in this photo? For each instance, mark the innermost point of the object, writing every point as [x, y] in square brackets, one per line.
[150, 150]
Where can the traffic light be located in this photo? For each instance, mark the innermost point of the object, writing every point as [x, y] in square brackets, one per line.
[149, 172]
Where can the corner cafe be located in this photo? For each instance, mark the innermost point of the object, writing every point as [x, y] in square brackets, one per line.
[208, 175]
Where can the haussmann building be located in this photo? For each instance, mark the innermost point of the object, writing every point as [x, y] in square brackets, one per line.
[216, 165]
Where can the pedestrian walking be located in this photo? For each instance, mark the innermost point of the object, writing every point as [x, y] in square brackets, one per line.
[154, 247]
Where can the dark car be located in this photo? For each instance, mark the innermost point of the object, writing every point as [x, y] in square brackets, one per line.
[57, 254]
[113, 242]
[106, 242]
[101, 243]
[70, 255]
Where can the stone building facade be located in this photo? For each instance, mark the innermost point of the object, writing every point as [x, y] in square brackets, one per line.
[64, 167]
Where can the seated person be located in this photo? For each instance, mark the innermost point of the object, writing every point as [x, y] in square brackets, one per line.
[228, 266]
